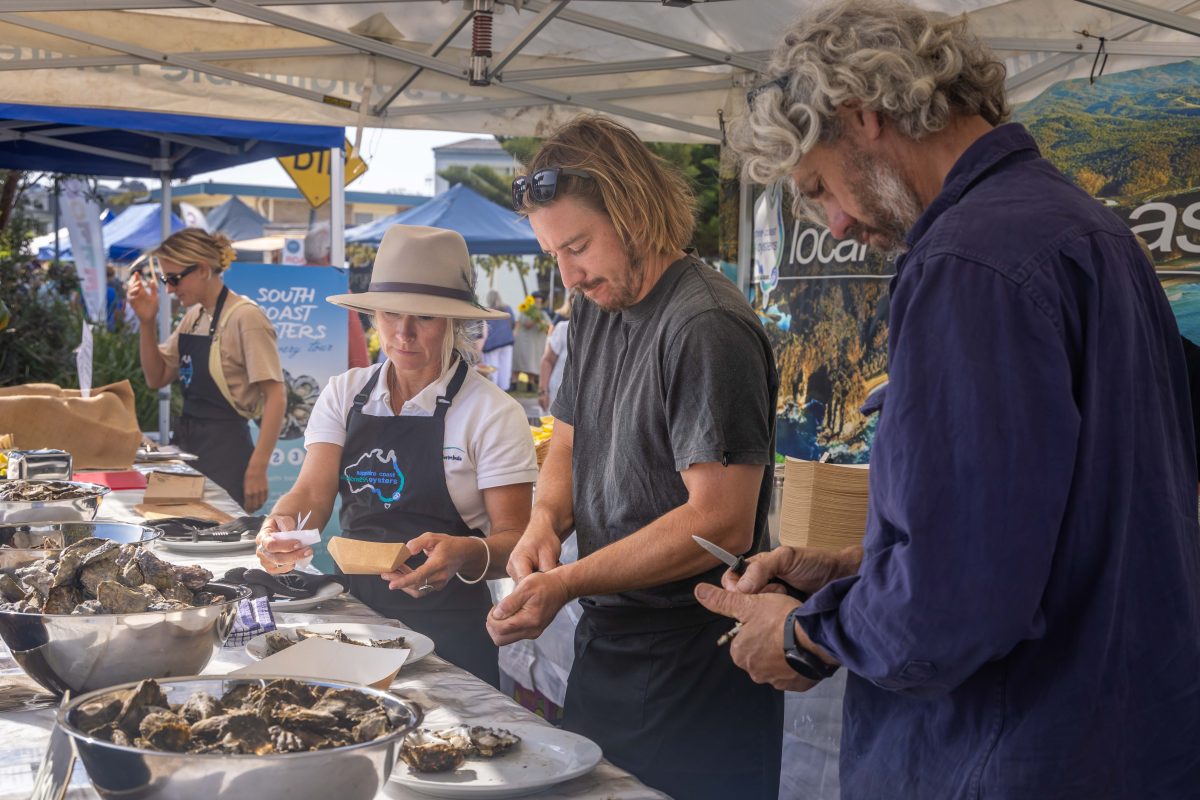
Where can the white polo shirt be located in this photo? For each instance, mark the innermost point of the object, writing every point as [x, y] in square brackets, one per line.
[487, 442]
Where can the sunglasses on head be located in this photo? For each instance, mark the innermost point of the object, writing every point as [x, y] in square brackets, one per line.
[173, 278]
[541, 185]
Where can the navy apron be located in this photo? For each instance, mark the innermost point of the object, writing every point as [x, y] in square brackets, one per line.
[663, 701]
[210, 427]
[392, 483]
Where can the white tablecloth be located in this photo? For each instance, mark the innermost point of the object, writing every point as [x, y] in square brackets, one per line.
[446, 693]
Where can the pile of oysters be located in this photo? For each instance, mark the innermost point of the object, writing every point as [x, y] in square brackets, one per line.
[26, 491]
[282, 716]
[428, 750]
[99, 576]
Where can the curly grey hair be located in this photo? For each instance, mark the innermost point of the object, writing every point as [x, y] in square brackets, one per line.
[916, 70]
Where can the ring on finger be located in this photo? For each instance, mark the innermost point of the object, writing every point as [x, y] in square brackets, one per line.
[425, 587]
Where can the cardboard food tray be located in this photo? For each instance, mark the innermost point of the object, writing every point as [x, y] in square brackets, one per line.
[356, 557]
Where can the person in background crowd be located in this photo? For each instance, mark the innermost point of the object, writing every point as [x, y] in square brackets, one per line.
[664, 428]
[463, 445]
[114, 301]
[1023, 618]
[224, 354]
[498, 344]
[554, 360]
[530, 340]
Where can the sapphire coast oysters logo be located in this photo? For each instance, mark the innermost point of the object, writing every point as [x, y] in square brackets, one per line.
[380, 475]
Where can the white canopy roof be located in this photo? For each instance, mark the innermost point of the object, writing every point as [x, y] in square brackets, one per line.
[666, 70]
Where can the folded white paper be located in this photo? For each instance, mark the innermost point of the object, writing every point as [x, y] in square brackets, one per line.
[309, 536]
[329, 660]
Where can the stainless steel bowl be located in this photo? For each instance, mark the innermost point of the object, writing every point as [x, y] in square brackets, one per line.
[94, 651]
[355, 772]
[63, 534]
[79, 508]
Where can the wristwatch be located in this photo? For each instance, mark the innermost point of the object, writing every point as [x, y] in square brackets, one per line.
[805, 662]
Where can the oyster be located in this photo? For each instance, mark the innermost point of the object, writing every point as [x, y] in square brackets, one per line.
[345, 704]
[29, 490]
[492, 742]
[425, 752]
[92, 575]
[62, 600]
[167, 605]
[38, 576]
[71, 559]
[164, 730]
[88, 607]
[10, 590]
[293, 717]
[145, 698]
[116, 598]
[200, 706]
[373, 725]
[240, 732]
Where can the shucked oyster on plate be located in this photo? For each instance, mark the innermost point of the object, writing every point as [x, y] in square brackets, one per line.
[445, 749]
[281, 641]
[99, 576]
[282, 716]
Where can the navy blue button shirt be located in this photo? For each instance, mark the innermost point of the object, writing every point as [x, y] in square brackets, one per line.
[1026, 620]
[499, 331]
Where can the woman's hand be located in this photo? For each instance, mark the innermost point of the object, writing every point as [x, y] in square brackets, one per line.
[446, 555]
[279, 556]
[254, 486]
[143, 298]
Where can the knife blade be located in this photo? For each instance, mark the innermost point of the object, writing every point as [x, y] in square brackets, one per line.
[737, 565]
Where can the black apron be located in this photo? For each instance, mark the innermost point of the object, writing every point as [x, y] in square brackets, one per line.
[663, 701]
[392, 482]
[210, 427]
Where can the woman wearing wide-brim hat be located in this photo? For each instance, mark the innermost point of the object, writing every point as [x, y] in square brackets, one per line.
[422, 449]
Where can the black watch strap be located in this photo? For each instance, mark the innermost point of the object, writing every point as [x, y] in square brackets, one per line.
[805, 662]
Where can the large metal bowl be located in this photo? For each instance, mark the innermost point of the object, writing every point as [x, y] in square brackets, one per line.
[355, 772]
[94, 651]
[54, 536]
[78, 508]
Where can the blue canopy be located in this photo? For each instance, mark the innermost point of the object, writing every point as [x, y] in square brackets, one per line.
[488, 228]
[88, 141]
[236, 220]
[135, 229]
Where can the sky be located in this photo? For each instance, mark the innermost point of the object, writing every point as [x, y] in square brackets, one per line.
[397, 161]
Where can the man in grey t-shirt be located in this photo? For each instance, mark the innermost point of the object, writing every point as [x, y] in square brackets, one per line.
[664, 428]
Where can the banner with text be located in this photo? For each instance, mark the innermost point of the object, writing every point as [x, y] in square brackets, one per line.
[312, 348]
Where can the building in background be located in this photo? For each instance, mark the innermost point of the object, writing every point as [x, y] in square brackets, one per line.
[469, 153]
[284, 207]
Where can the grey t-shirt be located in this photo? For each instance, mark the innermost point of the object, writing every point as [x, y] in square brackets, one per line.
[684, 377]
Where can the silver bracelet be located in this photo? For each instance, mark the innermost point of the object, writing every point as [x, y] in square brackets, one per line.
[487, 565]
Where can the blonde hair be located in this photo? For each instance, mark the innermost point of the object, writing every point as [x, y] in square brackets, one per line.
[196, 246]
[462, 335]
[894, 59]
[648, 200]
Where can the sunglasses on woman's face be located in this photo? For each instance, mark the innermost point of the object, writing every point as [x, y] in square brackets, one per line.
[541, 185]
[172, 279]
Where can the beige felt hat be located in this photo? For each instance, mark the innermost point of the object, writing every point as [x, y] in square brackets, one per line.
[420, 270]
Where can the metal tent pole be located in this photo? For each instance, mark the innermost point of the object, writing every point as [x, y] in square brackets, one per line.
[337, 211]
[164, 314]
[745, 235]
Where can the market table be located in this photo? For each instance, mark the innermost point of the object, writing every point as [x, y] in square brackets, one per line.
[446, 693]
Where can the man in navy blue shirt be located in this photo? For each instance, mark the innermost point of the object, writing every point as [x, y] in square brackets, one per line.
[1023, 619]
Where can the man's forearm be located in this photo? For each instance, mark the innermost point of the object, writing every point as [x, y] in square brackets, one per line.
[554, 487]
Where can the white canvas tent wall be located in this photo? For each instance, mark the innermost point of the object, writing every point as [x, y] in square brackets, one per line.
[670, 72]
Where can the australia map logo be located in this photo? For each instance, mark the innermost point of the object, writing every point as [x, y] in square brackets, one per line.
[380, 475]
[185, 371]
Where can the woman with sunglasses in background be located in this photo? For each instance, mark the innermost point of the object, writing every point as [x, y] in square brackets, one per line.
[225, 356]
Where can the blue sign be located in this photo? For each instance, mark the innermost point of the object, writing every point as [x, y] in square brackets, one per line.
[313, 347]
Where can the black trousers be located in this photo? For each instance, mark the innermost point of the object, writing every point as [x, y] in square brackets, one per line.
[651, 687]
[223, 448]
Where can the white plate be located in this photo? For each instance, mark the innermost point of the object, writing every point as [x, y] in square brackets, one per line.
[203, 548]
[418, 644]
[545, 756]
[326, 592]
